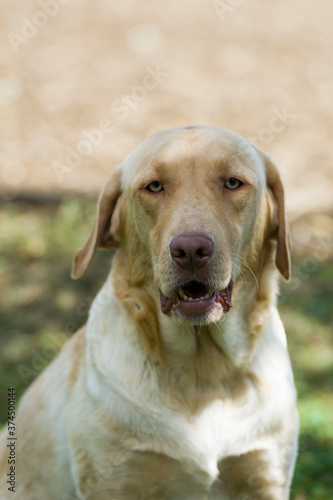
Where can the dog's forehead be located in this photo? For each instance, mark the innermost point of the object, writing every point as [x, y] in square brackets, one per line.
[173, 148]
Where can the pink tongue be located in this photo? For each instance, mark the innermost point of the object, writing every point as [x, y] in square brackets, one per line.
[166, 303]
[224, 297]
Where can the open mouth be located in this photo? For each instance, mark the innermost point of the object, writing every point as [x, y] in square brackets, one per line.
[196, 299]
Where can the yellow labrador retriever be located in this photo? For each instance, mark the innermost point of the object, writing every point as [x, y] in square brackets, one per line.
[180, 385]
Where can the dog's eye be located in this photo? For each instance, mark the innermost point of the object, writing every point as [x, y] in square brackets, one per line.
[155, 187]
[233, 183]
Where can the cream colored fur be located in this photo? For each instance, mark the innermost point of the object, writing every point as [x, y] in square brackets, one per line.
[140, 405]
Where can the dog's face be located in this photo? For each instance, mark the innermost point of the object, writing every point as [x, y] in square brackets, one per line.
[195, 200]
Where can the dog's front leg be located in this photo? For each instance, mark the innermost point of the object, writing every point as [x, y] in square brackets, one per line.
[251, 476]
[125, 474]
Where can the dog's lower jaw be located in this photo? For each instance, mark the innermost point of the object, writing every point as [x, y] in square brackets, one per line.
[197, 310]
[213, 316]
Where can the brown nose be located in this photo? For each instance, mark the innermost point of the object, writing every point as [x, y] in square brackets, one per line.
[191, 251]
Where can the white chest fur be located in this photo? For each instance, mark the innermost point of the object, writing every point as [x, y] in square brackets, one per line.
[129, 388]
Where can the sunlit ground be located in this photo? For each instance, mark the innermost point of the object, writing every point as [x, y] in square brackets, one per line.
[40, 306]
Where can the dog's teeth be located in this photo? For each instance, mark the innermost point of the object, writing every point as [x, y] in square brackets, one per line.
[191, 299]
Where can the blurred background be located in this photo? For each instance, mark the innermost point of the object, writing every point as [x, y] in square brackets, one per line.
[82, 83]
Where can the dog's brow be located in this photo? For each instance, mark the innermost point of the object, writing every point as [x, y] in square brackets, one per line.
[235, 156]
[157, 165]
[241, 153]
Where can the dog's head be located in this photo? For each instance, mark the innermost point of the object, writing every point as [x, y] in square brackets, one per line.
[192, 208]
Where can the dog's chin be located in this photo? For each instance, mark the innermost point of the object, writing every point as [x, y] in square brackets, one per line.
[213, 315]
[194, 302]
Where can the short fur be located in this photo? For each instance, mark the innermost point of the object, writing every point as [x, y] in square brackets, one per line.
[141, 405]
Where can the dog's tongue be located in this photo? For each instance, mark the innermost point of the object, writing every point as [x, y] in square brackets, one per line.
[166, 303]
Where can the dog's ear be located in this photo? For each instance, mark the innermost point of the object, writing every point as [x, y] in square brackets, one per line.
[101, 236]
[283, 236]
[274, 182]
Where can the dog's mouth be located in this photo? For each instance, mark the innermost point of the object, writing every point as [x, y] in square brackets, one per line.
[195, 299]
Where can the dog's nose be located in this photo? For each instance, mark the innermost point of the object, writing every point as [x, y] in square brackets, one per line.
[191, 251]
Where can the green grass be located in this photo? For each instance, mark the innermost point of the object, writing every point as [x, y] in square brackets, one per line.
[40, 306]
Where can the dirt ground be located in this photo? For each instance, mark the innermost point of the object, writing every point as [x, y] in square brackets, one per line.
[83, 82]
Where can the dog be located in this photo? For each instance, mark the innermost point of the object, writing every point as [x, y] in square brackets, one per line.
[180, 385]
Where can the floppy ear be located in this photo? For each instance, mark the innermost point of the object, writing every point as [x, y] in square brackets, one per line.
[283, 236]
[100, 235]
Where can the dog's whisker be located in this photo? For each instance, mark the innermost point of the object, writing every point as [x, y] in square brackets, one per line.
[244, 263]
[240, 271]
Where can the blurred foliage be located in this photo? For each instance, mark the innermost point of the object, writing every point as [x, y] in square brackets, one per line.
[42, 306]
